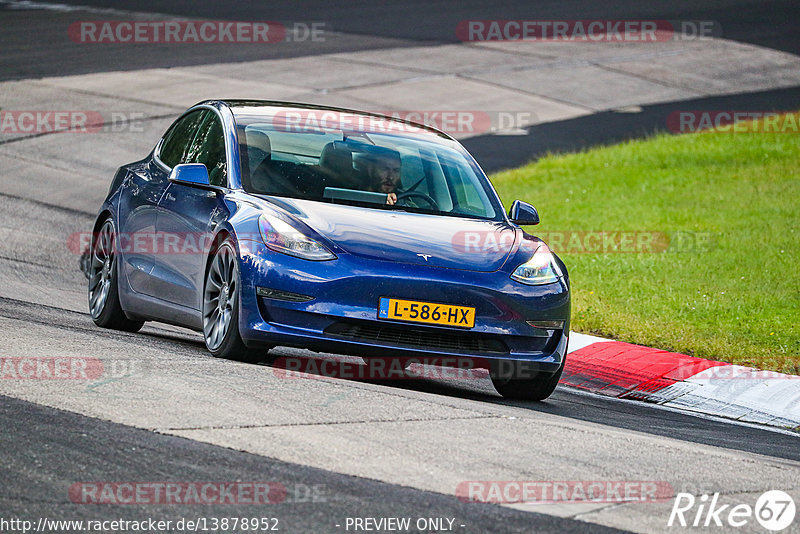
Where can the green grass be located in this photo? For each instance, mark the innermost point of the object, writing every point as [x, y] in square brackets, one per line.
[735, 297]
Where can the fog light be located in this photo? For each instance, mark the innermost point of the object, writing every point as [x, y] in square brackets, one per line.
[275, 294]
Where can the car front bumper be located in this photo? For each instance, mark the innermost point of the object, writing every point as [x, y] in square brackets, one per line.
[341, 315]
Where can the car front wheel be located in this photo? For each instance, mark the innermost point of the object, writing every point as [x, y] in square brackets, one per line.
[221, 307]
[536, 388]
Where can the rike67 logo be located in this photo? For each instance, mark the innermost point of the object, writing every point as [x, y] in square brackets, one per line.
[774, 510]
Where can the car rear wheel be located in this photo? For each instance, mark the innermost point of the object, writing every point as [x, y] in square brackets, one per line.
[104, 304]
[221, 308]
[533, 388]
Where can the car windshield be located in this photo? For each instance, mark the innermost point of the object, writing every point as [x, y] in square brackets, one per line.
[339, 157]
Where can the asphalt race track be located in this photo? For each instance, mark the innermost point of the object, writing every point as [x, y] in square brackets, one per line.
[166, 411]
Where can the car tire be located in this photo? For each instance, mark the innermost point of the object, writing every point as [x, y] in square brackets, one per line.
[221, 301]
[535, 388]
[103, 286]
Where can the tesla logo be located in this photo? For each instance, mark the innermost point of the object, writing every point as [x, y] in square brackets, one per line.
[424, 256]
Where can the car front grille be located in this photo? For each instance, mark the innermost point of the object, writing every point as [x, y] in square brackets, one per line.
[431, 339]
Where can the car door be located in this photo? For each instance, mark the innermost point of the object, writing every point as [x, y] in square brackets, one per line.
[187, 217]
[142, 189]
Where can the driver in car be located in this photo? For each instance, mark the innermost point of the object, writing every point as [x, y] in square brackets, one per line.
[383, 173]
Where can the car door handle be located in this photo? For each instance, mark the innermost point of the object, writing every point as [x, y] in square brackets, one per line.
[169, 197]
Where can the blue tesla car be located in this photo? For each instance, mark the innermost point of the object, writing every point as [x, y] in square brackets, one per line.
[270, 223]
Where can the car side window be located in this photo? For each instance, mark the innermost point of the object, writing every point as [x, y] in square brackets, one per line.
[179, 136]
[208, 148]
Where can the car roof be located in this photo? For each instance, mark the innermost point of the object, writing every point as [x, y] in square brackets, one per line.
[233, 104]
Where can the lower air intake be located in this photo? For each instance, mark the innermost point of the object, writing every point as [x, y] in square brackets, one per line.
[390, 334]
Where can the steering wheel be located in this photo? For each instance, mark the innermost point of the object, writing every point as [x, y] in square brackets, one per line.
[423, 196]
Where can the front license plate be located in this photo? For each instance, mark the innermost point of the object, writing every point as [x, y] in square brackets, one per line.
[426, 312]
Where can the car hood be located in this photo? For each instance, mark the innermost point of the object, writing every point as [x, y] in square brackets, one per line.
[399, 236]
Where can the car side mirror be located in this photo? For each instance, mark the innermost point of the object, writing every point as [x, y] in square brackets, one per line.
[193, 174]
[523, 213]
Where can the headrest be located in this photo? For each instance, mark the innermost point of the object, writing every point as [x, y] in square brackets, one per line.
[337, 157]
[259, 140]
[259, 149]
[380, 152]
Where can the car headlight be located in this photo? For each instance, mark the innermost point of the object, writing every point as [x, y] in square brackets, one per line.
[286, 239]
[540, 269]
